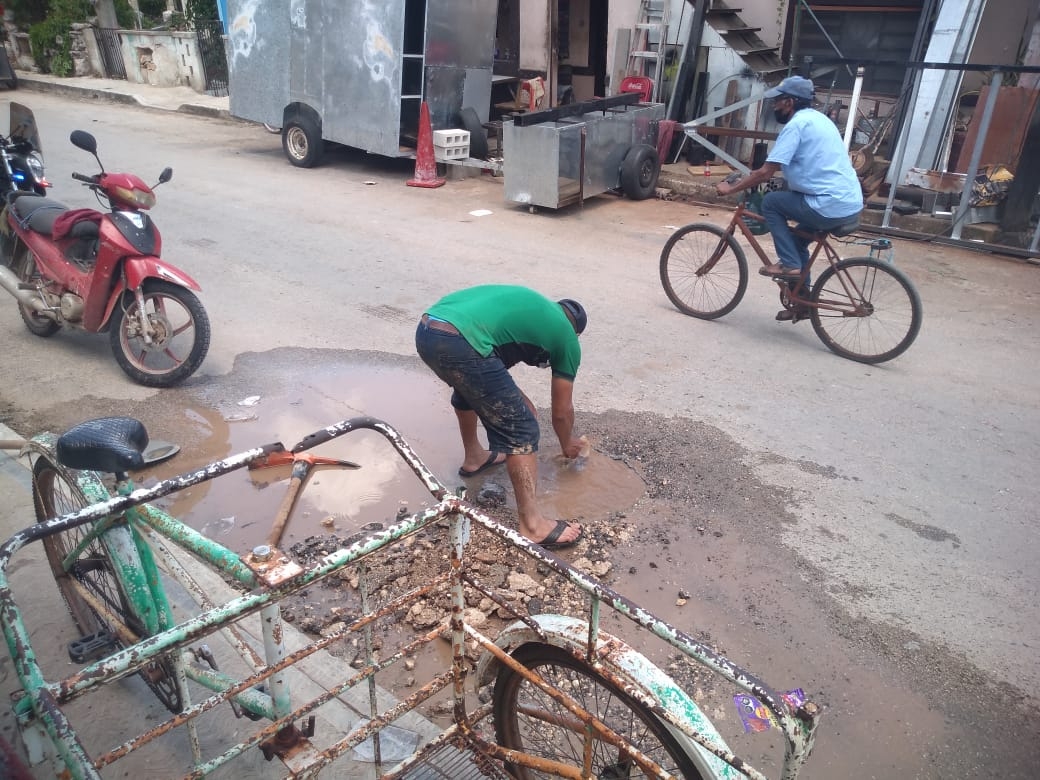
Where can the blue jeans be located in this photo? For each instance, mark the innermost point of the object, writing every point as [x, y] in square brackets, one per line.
[780, 206]
[483, 385]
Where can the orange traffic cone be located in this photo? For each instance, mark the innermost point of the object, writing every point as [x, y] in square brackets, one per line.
[425, 163]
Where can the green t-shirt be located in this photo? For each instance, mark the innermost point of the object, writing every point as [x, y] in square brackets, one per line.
[516, 323]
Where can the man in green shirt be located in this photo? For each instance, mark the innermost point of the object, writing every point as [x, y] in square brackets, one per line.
[470, 339]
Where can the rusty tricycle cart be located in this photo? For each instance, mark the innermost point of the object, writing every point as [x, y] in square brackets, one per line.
[549, 695]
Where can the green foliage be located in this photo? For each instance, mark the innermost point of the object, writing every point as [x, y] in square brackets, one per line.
[27, 12]
[178, 21]
[151, 12]
[51, 39]
[203, 10]
[125, 15]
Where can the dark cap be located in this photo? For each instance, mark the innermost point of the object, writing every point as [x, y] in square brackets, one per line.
[793, 86]
[577, 312]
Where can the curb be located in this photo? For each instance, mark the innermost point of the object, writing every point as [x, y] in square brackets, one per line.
[79, 92]
[214, 113]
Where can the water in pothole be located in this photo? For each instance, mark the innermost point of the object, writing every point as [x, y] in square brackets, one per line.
[238, 509]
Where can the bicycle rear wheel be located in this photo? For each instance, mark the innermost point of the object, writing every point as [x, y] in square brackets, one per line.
[877, 312]
[530, 721]
[703, 271]
[56, 491]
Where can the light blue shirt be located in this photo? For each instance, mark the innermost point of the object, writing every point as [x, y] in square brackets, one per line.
[815, 163]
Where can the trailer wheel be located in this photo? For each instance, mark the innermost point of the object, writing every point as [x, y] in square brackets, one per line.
[639, 171]
[301, 140]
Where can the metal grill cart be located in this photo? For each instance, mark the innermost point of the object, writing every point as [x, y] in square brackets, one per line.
[561, 156]
[356, 72]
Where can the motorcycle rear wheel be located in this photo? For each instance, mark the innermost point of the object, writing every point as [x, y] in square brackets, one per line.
[181, 334]
[24, 266]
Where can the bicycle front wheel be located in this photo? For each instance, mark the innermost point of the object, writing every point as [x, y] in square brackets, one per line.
[870, 310]
[106, 608]
[530, 721]
[703, 271]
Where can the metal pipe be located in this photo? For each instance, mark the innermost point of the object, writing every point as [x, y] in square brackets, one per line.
[12, 284]
[853, 108]
[976, 155]
[274, 652]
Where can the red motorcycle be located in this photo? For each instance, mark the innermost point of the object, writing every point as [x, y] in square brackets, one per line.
[96, 271]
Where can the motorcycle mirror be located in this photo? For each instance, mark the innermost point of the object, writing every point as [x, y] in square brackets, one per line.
[166, 175]
[84, 140]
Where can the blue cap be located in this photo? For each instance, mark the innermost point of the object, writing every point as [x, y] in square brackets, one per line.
[577, 312]
[793, 86]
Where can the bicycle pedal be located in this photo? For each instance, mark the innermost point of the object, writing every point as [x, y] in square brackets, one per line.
[91, 647]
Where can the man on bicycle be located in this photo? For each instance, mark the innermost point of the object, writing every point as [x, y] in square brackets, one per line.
[822, 192]
[471, 338]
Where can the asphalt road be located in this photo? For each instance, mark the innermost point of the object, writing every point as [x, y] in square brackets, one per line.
[912, 483]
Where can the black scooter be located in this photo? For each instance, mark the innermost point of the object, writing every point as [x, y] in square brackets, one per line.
[21, 155]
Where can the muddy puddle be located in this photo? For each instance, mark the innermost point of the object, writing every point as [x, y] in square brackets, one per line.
[238, 509]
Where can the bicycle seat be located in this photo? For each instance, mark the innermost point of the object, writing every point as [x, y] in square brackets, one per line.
[845, 228]
[108, 444]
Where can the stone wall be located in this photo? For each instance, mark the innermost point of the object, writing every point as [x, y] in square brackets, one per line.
[19, 52]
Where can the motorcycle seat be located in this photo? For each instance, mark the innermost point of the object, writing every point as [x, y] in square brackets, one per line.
[37, 213]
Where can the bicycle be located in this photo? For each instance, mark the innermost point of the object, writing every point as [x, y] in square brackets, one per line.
[568, 699]
[863, 308]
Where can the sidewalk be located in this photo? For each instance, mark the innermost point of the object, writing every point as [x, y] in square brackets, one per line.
[183, 99]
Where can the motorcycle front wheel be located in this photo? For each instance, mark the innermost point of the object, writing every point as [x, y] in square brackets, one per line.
[178, 337]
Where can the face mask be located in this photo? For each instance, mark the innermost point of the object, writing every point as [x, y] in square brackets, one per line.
[781, 117]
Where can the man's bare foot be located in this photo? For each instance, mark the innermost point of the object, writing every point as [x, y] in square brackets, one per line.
[470, 468]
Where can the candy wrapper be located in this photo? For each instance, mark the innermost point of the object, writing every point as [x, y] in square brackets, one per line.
[756, 717]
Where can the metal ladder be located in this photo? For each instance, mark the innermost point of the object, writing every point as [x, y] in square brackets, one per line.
[649, 39]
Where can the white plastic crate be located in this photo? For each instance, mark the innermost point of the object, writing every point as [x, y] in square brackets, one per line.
[448, 138]
[447, 153]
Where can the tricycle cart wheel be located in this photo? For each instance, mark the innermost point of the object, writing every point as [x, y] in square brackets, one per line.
[301, 140]
[639, 171]
[530, 721]
[107, 610]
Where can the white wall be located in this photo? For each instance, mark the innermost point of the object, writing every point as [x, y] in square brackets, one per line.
[162, 59]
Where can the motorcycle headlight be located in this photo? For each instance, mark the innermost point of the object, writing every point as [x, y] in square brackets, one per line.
[35, 163]
[132, 196]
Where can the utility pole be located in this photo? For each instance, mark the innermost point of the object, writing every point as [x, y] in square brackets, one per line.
[106, 14]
